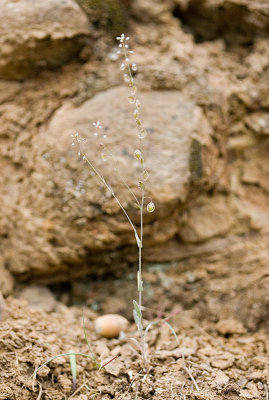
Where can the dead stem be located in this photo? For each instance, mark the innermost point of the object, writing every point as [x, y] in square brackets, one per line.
[40, 391]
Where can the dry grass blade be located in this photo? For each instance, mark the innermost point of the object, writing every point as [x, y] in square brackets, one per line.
[40, 391]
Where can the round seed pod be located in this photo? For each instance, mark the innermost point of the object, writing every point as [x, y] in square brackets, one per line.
[110, 325]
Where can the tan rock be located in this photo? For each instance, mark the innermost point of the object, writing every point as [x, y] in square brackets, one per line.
[6, 281]
[64, 213]
[161, 11]
[110, 325]
[229, 326]
[223, 361]
[38, 298]
[207, 218]
[258, 122]
[211, 19]
[41, 34]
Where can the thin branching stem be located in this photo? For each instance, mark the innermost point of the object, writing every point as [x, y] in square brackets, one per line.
[140, 252]
[121, 177]
[101, 177]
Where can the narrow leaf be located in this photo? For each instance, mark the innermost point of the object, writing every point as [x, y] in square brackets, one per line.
[138, 321]
[73, 366]
[173, 331]
[137, 309]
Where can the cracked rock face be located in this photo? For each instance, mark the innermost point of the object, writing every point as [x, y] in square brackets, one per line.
[236, 21]
[64, 214]
[39, 34]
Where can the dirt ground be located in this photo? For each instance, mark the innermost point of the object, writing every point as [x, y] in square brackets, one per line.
[216, 358]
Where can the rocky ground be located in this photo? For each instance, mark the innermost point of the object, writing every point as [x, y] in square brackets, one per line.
[202, 78]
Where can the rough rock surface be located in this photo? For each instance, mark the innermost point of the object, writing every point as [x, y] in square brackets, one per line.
[79, 215]
[236, 21]
[39, 34]
[109, 15]
[208, 97]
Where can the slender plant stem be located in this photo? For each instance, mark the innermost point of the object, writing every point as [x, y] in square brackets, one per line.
[142, 187]
[120, 176]
[110, 190]
[140, 289]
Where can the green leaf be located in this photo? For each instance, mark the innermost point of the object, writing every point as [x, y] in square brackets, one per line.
[172, 330]
[137, 309]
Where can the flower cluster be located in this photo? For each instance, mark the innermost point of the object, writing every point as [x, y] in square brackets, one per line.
[106, 155]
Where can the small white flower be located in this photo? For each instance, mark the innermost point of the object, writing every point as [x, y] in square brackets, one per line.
[97, 125]
[121, 38]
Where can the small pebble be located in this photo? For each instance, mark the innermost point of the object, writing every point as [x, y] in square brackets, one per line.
[110, 325]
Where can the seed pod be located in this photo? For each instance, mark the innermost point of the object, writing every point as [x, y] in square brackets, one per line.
[110, 325]
[131, 99]
[151, 207]
[138, 154]
[136, 113]
[145, 175]
[133, 90]
[141, 185]
[137, 103]
[142, 133]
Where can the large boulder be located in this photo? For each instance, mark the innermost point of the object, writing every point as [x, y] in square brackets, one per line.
[39, 34]
[64, 219]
